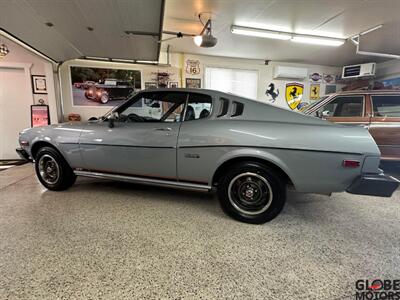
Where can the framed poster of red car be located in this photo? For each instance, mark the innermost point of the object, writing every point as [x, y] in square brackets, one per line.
[40, 115]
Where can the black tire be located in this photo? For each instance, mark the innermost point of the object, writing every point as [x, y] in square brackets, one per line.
[62, 176]
[252, 193]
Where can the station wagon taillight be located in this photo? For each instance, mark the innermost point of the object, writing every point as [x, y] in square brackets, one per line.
[350, 163]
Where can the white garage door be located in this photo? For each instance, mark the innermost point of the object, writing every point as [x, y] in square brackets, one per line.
[14, 110]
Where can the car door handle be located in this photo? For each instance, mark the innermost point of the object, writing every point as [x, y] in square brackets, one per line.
[163, 129]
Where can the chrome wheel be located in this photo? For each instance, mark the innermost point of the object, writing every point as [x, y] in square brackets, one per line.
[250, 193]
[104, 98]
[48, 169]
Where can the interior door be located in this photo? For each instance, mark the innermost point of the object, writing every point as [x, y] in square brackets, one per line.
[14, 110]
[385, 124]
[143, 140]
[347, 110]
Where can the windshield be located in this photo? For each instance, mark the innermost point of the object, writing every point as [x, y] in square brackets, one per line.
[108, 113]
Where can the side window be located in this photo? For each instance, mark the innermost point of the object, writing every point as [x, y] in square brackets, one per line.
[224, 106]
[237, 109]
[199, 107]
[345, 106]
[386, 106]
[154, 107]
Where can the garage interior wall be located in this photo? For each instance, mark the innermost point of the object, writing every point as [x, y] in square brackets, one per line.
[16, 94]
[40, 66]
[177, 69]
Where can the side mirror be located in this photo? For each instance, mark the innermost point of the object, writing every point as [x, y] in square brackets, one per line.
[112, 119]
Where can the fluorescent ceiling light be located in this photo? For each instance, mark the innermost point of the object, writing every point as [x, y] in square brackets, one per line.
[147, 62]
[123, 60]
[316, 40]
[270, 34]
[97, 58]
[281, 35]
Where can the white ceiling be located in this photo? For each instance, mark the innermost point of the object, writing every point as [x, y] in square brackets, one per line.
[336, 18]
[70, 38]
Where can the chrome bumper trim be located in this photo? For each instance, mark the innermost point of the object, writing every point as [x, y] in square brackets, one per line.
[380, 185]
[141, 180]
[23, 154]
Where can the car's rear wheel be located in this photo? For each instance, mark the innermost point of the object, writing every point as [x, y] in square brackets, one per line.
[104, 98]
[252, 192]
[52, 170]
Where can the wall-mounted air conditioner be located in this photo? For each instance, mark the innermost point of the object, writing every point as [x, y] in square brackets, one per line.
[290, 72]
[356, 71]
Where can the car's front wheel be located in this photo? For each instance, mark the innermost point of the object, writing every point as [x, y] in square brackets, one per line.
[104, 98]
[52, 170]
[252, 192]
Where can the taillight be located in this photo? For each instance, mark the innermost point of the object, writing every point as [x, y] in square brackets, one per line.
[349, 163]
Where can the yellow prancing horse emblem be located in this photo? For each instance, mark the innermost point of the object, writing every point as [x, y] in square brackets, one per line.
[294, 94]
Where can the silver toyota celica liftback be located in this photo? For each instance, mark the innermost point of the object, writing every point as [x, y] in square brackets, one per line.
[247, 150]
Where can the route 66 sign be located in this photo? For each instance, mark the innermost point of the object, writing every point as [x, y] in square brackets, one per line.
[193, 67]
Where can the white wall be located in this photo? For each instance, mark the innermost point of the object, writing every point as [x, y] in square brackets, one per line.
[178, 70]
[40, 66]
[265, 73]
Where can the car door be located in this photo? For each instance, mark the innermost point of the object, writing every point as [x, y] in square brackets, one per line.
[347, 110]
[142, 141]
[385, 124]
[195, 133]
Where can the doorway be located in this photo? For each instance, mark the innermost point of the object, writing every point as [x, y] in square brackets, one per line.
[15, 101]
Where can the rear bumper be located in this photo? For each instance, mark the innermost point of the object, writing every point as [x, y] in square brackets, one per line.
[379, 185]
[23, 154]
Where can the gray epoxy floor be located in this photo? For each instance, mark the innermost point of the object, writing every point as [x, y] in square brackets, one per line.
[102, 239]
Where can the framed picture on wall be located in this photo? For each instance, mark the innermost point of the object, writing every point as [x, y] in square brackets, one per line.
[173, 84]
[39, 85]
[40, 115]
[150, 85]
[102, 87]
[193, 83]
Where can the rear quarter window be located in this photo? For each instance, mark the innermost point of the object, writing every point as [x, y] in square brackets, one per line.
[224, 107]
[237, 109]
[386, 106]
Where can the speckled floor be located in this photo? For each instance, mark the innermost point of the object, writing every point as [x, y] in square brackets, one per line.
[102, 239]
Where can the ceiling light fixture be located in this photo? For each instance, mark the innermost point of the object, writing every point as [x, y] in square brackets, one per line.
[270, 34]
[3, 51]
[98, 58]
[317, 40]
[205, 39]
[152, 62]
[281, 35]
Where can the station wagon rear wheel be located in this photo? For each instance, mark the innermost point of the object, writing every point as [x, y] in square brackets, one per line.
[251, 192]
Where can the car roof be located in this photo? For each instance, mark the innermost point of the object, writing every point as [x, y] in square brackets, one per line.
[367, 92]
